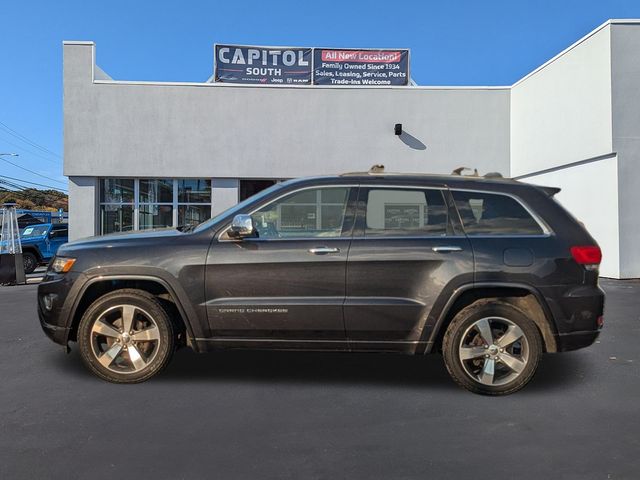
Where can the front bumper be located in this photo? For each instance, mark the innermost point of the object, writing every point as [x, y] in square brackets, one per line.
[59, 335]
[61, 290]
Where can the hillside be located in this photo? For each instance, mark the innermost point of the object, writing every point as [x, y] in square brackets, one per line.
[34, 199]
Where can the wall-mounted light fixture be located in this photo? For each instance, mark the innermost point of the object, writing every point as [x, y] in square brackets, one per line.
[397, 129]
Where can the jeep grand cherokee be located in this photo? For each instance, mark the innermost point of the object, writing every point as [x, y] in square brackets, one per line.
[489, 272]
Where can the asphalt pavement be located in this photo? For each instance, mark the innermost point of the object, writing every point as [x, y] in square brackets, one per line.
[317, 415]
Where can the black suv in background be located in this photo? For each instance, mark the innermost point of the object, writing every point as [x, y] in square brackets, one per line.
[490, 272]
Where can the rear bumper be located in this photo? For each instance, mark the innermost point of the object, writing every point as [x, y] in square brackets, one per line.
[575, 309]
[565, 342]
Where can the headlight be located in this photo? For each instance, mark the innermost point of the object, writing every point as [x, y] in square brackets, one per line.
[62, 264]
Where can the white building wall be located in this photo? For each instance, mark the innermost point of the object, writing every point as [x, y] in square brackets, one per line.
[225, 194]
[573, 122]
[561, 112]
[83, 205]
[625, 45]
[229, 131]
[562, 135]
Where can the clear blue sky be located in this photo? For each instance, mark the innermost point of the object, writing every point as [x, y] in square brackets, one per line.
[452, 43]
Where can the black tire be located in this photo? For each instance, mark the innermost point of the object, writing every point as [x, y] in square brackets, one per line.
[30, 262]
[144, 304]
[464, 327]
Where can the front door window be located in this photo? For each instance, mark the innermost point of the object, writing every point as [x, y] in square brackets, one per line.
[312, 213]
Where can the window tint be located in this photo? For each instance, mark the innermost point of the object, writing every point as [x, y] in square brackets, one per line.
[411, 212]
[310, 213]
[491, 214]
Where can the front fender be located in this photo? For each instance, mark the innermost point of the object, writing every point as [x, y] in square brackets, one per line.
[195, 321]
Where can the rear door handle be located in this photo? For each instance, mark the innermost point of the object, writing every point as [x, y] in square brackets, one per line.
[323, 250]
[446, 249]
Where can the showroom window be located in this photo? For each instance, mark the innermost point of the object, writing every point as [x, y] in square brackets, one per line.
[155, 204]
[139, 204]
[116, 204]
[194, 201]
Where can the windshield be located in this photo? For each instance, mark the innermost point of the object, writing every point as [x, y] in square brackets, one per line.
[238, 207]
[34, 231]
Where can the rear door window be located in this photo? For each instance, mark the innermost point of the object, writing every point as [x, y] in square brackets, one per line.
[494, 214]
[405, 212]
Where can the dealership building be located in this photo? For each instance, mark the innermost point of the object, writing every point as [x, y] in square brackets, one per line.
[150, 154]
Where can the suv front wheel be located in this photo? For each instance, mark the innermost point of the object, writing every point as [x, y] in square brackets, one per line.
[492, 348]
[126, 336]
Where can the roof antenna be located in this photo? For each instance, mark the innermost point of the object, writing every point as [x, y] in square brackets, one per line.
[377, 168]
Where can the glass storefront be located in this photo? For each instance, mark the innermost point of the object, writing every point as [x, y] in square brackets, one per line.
[138, 204]
[193, 214]
[194, 201]
[155, 216]
[116, 204]
[116, 218]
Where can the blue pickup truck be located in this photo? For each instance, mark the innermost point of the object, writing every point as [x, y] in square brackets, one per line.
[40, 243]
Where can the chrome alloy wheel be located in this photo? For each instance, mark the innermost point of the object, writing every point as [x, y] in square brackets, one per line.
[494, 351]
[125, 339]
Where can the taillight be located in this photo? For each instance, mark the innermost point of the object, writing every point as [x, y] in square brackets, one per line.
[590, 256]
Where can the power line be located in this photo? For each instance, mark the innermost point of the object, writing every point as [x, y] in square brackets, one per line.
[11, 131]
[56, 162]
[31, 171]
[34, 183]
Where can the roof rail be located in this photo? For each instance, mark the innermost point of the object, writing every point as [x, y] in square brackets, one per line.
[378, 169]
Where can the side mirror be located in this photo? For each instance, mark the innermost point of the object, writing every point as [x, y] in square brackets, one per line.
[242, 226]
[53, 234]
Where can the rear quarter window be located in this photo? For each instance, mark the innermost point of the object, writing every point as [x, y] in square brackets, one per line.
[494, 214]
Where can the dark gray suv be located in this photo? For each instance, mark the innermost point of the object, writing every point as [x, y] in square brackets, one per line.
[489, 272]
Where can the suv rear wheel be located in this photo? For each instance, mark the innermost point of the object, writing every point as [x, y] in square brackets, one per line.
[492, 348]
[126, 336]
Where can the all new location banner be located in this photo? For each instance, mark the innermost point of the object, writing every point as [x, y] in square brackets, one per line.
[246, 64]
[262, 65]
[360, 67]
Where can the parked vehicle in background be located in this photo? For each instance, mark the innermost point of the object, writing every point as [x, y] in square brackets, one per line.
[490, 272]
[40, 242]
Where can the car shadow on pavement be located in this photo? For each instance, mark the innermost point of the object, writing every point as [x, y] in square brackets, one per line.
[554, 372]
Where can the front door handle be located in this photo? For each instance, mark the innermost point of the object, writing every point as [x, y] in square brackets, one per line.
[323, 250]
[446, 249]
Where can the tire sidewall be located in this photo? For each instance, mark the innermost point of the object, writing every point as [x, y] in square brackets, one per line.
[464, 320]
[143, 301]
[30, 262]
